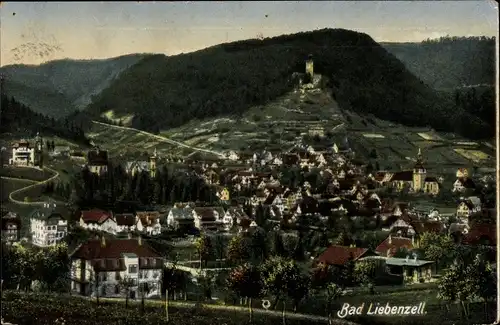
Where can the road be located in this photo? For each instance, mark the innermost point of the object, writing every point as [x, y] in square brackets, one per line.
[162, 138]
[11, 198]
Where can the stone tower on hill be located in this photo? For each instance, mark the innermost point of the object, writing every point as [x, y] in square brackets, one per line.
[310, 67]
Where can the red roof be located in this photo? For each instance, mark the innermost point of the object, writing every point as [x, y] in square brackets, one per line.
[95, 216]
[481, 233]
[393, 243]
[339, 255]
[113, 248]
[404, 176]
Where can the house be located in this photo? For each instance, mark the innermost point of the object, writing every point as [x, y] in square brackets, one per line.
[392, 244]
[125, 222]
[148, 222]
[11, 227]
[207, 218]
[411, 268]
[468, 207]
[339, 255]
[60, 151]
[234, 216]
[98, 220]
[223, 194]
[99, 266]
[463, 184]
[48, 225]
[23, 154]
[136, 167]
[231, 155]
[180, 217]
[481, 234]
[97, 161]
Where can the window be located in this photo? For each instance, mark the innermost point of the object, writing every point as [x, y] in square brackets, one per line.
[117, 276]
[117, 289]
[132, 268]
[104, 276]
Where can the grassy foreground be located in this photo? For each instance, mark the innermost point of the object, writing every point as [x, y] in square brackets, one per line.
[44, 309]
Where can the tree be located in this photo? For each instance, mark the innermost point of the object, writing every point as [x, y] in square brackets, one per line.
[204, 248]
[125, 284]
[437, 247]
[279, 274]
[245, 281]
[333, 292]
[144, 290]
[298, 288]
[365, 273]
[55, 266]
[238, 249]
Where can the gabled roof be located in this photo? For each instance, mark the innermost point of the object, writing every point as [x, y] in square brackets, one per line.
[404, 176]
[466, 182]
[97, 158]
[148, 218]
[237, 212]
[95, 216]
[50, 212]
[392, 244]
[113, 248]
[125, 219]
[339, 255]
[205, 213]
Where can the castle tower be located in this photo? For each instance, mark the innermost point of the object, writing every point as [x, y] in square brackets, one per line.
[310, 67]
[152, 164]
[38, 150]
[419, 173]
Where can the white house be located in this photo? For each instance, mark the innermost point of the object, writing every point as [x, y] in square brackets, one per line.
[148, 222]
[22, 154]
[48, 225]
[102, 266]
[233, 216]
[181, 215]
[462, 184]
[208, 218]
[98, 220]
[231, 155]
[468, 207]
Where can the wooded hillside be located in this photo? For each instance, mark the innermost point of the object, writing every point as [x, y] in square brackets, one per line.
[229, 78]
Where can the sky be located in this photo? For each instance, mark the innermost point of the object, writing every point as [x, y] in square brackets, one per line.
[36, 32]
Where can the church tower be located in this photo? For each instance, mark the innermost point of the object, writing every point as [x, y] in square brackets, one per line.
[310, 67]
[152, 164]
[38, 150]
[419, 173]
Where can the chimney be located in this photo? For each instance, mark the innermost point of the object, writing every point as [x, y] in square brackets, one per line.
[129, 235]
[103, 241]
[139, 240]
[390, 239]
[413, 239]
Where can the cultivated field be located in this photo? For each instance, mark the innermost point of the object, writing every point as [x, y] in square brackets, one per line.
[127, 142]
[474, 155]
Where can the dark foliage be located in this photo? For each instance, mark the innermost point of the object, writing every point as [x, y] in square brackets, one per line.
[16, 117]
[449, 62]
[169, 186]
[229, 78]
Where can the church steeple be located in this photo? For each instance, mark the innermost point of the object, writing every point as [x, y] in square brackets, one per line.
[152, 163]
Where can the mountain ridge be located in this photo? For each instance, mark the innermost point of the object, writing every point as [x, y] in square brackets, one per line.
[73, 81]
[228, 79]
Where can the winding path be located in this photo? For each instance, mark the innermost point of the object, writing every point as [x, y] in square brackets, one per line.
[40, 183]
[162, 138]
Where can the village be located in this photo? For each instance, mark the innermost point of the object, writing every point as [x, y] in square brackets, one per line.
[320, 203]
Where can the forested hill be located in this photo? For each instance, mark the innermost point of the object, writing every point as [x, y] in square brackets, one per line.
[18, 119]
[58, 88]
[229, 78]
[449, 62]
